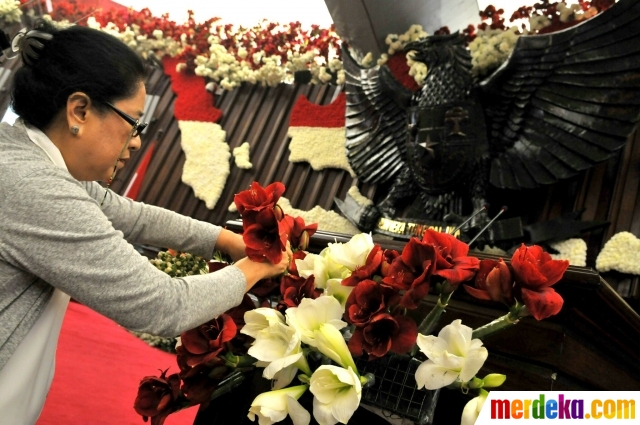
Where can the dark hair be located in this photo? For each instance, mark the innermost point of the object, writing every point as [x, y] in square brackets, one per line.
[75, 59]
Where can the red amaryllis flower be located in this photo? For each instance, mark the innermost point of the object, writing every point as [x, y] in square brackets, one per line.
[156, 397]
[382, 334]
[453, 263]
[241, 342]
[493, 282]
[411, 271]
[295, 288]
[202, 345]
[265, 237]
[299, 232]
[199, 382]
[258, 198]
[388, 255]
[368, 299]
[535, 272]
[298, 255]
[265, 287]
[368, 270]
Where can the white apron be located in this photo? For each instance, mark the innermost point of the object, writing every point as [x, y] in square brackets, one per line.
[26, 378]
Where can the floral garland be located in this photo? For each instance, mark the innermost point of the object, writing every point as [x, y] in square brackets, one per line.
[267, 53]
[270, 53]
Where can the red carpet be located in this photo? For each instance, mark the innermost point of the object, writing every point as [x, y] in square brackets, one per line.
[99, 366]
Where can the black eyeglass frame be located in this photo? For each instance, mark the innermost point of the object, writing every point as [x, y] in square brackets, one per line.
[137, 126]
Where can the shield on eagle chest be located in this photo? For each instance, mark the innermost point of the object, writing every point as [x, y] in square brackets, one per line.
[444, 143]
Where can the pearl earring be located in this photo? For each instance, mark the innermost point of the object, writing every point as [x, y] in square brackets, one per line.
[75, 129]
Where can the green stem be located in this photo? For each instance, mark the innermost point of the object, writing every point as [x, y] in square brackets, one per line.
[235, 362]
[429, 323]
[499, 324]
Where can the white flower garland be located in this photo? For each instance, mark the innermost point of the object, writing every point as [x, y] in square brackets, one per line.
[206, 167]
[491, 47]
[157, 46]
[621, 253]
[320, 147]
[397, 43]
[574, 250]
[241, 155]
[10, 11]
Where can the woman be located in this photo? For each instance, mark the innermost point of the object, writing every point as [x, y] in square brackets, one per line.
[80, 96]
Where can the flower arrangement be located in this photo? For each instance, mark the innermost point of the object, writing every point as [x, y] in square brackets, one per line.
[270, 53]
[318, 327]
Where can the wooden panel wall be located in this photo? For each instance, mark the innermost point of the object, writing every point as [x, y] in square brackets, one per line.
[254, 114]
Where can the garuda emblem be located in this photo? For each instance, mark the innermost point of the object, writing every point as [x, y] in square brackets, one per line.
[561, 103]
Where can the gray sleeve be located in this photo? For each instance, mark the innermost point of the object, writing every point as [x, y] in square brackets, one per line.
[56, 231]
[148, 224]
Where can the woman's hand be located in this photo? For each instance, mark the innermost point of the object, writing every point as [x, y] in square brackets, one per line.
[254, 271]
[231, 243]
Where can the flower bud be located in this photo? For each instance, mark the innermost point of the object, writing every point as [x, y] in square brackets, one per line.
[475, 383]
[304, 240]
[278, 211]
[494, 380]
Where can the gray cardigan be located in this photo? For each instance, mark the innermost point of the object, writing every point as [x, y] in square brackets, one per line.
[53, 233]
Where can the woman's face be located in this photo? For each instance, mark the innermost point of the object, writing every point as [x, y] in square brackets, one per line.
[103, 144]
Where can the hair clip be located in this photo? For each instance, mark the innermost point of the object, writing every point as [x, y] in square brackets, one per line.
[29, 44]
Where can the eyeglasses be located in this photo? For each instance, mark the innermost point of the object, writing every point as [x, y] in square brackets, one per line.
[137, 126]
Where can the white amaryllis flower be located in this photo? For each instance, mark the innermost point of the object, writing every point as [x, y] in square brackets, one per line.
[274, 406]
[472, 409]
[350, 255]
[452, 355]
[278, 346]
[337, 393]
[259, 319]
[312, 313]
[337, 290]
[331, 343]
[315, 265]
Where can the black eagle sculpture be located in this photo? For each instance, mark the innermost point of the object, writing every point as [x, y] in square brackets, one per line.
[561, 103]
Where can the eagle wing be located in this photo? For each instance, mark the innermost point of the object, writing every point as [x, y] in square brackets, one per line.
[564, 101]
[375, 121]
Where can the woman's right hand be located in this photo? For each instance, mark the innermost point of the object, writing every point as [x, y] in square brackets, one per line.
[254, 271]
